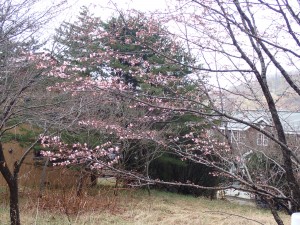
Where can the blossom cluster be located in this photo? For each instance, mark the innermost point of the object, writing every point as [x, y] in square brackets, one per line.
[62, 154]
[130, 132]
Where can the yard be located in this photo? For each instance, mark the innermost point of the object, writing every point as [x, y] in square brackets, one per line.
[100, 206]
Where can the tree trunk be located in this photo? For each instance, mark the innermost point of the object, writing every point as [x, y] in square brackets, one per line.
[286, 154]
[261, 76]
[12, 183]
[116, 185]
[43, 178]
[147, 175]
[93, 179]
[275, 213]
[80, 184]
[14, 202]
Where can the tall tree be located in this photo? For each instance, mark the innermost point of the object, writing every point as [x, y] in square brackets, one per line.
[125, 57]
[245, 42]
[123, 47]
[22, 77]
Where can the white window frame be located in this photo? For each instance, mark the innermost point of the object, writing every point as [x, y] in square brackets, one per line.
[262, 140]
[235, 136]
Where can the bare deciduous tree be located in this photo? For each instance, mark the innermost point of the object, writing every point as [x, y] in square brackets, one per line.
[242, 44]
[22, 80]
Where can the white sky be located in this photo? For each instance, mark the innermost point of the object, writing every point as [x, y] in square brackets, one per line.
[105, 8]
[102, 8]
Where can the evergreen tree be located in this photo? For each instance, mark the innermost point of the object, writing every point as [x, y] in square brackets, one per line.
[134, 48]
[141, 53]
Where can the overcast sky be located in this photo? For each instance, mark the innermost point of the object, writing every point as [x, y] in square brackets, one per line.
[104, 8]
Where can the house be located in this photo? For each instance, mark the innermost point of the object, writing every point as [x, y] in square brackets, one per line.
[249, 144]
[246, 138]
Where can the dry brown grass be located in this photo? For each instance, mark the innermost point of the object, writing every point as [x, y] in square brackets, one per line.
[100, 206]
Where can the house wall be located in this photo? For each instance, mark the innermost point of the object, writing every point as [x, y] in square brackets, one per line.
[248, 141]
[244, 141]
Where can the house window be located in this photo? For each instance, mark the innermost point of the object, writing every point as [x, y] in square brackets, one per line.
[235, 136]
[262, 140]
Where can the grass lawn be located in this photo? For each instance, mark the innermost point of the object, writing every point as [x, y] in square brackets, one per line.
[101, 206]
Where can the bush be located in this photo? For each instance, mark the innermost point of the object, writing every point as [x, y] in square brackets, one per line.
[170, 168]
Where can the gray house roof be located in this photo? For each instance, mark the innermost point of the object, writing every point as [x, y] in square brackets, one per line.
[289, 120]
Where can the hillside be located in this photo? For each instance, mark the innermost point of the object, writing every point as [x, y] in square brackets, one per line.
[248, 96]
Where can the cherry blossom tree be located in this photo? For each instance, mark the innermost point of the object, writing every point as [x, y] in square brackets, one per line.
[56, 95]
[23, 79]
[118, 59]
[241, 44]
[236, 42]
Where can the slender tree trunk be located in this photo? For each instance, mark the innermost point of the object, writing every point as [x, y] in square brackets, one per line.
[147, 175]
[93, 179]
[43, 178]
[116, 185]
[14, 202]
[261, 76]
[80, 184]
[286, 154]
[12, 182]
[275, 214]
